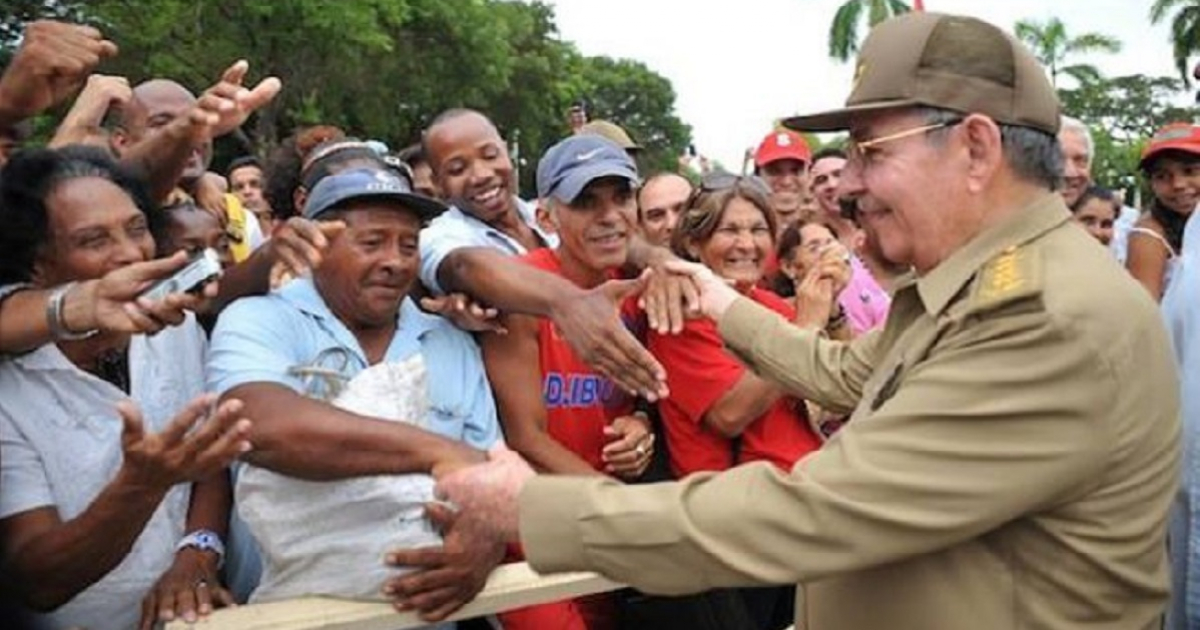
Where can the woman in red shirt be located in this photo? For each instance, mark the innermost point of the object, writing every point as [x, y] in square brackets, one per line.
[721, 414]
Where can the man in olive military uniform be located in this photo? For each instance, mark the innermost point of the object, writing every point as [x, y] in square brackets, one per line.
[1013, 447]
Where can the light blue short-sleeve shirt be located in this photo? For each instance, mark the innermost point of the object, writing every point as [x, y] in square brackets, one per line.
[279, 338]
[454, 229]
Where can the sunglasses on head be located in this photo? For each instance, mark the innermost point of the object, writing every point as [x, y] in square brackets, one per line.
[717, 182]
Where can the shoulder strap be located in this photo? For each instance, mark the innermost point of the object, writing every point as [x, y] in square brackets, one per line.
[1156, 236]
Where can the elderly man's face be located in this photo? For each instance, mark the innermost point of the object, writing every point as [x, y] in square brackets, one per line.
[908, 190]
[596, 228]
[95, 227]
[1077, 165]
[372, 265]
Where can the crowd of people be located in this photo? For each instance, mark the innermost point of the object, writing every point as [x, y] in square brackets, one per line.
[930, 378]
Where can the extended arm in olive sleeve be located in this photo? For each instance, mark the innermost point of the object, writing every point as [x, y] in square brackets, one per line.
[802, 361]
[1001, 420]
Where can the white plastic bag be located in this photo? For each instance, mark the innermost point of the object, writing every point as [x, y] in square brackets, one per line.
[330, 537]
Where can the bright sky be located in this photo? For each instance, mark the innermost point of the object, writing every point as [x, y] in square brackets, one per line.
[739, 65]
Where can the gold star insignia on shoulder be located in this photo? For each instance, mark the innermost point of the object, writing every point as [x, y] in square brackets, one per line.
[1012, 275]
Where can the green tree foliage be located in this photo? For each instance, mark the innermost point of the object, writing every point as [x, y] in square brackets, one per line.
[1053, 46]
[1185, 29]
[1122, 113]
[631, 95]
[379, 68]
[843, 32]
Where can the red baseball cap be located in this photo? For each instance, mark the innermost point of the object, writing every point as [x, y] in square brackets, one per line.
[782, 144]
[1174, 137]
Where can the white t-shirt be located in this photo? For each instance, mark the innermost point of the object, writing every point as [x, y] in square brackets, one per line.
[60, 445]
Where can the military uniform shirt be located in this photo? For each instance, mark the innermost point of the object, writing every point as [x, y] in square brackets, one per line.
[1009, 463]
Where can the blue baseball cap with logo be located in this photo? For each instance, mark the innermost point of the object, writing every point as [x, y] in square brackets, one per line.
[368, 183]
[569, 166]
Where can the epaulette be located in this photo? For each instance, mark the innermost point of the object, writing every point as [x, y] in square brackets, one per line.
[1015, 274]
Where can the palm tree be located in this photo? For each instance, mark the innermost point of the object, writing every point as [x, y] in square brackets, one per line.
[1052, 45]
[1185, 29]
[843, 33]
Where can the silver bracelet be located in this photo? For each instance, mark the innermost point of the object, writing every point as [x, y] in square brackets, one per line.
[54, 316]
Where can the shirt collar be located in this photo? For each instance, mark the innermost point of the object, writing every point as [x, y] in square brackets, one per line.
[944, 281]
[302, 293]
[526, 210]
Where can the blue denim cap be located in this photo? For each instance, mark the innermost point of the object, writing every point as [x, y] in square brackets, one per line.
[569, 166]
[368, 183]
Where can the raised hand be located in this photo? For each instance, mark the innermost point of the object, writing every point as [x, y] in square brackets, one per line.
[298, 246]
[178, 454]
[669, 299]
[54, 60]
[715, 293]
[465, 313]
[244, 101]
[594, 330]
[81, 124]
[111, 303]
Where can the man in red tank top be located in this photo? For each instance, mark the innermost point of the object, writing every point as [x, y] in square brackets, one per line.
[558, 413]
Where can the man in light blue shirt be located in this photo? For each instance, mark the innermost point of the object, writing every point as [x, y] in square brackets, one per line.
[286, 355]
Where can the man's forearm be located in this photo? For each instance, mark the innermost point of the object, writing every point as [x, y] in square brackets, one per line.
[56, 565]
[210, 504]
[249, 277]
[308, 439]
[23, 322]
[162, 157]
[504, 282]
[545, 454]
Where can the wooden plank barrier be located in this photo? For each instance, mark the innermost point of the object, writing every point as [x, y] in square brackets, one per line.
[510, 586]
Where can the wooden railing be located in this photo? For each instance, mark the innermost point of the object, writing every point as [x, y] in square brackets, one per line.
[510, 586]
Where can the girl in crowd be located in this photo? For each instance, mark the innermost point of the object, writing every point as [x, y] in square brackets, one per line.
[1171, 162]
[801, 248]
[1097, 210]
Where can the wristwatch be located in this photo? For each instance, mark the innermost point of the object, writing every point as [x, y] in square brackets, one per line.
[204, 540]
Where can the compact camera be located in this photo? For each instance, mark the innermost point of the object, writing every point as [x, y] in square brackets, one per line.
[201, 269]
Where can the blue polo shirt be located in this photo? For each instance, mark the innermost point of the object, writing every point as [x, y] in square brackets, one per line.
[279, 338]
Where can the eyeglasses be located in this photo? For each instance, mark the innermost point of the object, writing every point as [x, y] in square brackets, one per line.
[862, 153]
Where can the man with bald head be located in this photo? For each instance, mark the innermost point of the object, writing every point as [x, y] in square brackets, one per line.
[155, 105]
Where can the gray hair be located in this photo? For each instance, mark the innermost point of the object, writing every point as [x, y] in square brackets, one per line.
[1069, 123]
[1032, 154]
